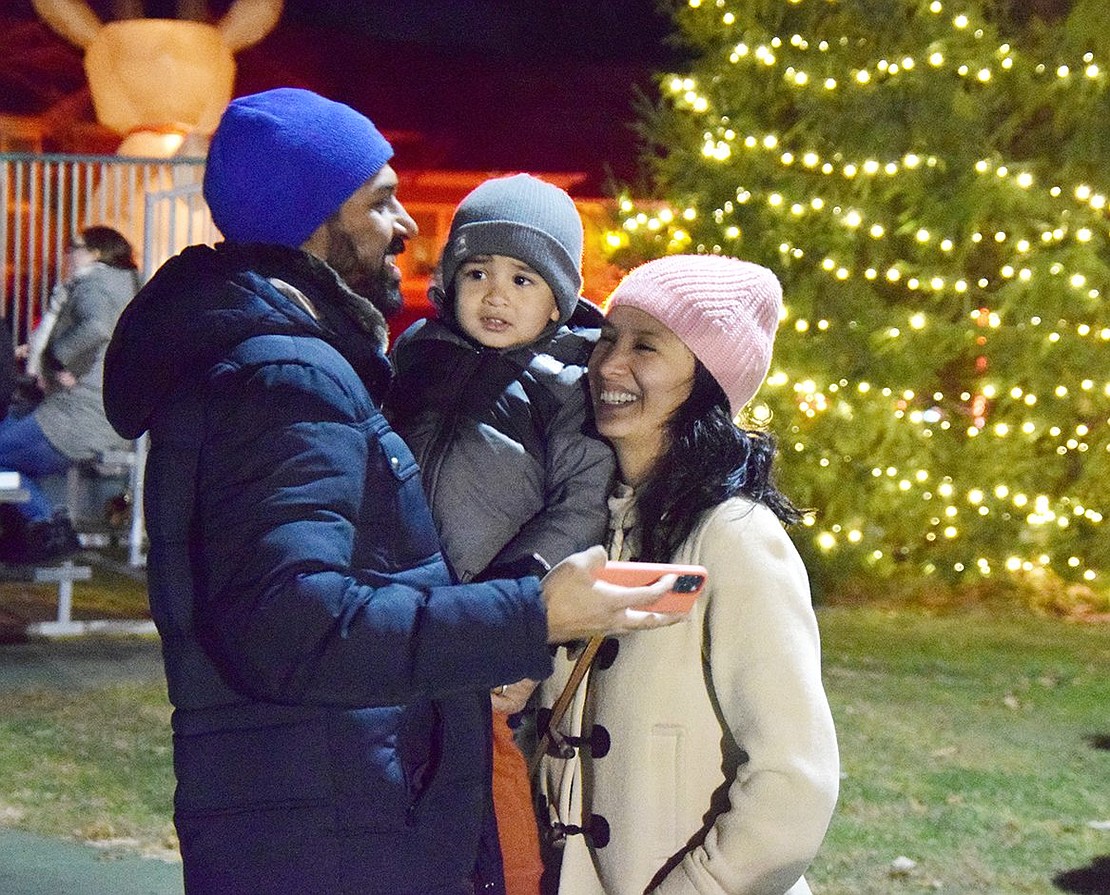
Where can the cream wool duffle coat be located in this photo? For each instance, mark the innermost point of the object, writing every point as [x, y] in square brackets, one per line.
[723, 769]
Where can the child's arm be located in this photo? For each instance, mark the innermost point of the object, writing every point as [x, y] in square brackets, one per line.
[580, 471]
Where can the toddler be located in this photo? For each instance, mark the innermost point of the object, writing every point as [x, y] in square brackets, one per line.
[492, 399]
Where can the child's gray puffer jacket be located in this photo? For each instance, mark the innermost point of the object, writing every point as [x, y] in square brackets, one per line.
[505, 442]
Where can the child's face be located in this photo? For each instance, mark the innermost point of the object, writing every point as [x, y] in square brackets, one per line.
[501, 302]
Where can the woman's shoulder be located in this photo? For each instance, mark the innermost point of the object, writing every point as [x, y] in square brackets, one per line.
[105, 279]
[739, 525]
[739, 513]
[745, 541]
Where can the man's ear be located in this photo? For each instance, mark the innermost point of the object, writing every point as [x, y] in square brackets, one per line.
[319, 242]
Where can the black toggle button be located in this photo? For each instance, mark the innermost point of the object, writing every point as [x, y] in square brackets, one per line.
[607, 653]
[595, 830]
[597, 743]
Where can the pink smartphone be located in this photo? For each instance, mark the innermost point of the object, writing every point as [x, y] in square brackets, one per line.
[680, 598]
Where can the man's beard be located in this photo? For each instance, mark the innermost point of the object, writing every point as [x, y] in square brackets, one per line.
[378, 286]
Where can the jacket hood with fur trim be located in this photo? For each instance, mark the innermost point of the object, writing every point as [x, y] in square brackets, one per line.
[205, 301]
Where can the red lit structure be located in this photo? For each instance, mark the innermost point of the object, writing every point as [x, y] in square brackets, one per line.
[455, 119]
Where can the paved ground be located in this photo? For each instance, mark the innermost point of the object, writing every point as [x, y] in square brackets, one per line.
[34, 865]
[79, 662]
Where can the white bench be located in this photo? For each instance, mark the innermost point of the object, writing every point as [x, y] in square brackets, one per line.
[61, 573]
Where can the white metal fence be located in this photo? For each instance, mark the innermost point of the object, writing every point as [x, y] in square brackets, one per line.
[155, 203]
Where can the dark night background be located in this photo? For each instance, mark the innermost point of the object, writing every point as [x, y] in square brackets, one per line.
[478, 85]
[471, 84]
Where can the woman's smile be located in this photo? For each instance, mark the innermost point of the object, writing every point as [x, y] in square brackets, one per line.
[640, 372]
[615, 398]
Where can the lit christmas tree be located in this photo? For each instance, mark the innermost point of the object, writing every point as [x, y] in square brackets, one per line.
[930, 183]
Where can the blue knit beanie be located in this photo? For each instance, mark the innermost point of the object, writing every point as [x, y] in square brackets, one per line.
[525, 218]
[283, 161]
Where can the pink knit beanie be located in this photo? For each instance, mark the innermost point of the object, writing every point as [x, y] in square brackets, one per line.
[725, 310]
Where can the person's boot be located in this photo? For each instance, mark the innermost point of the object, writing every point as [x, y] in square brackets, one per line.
[13, 534]
[50, 539]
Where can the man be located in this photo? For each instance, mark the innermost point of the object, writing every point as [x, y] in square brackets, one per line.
[330, 683]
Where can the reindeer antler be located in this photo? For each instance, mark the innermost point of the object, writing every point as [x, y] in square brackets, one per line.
[72, 19]
[248, 21]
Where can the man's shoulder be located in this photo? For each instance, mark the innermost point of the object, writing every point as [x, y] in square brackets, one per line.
[301, 361]
[284, 375]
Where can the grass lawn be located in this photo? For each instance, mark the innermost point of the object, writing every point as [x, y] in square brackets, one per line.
[969, 745]
[973, 744]
[93, 764]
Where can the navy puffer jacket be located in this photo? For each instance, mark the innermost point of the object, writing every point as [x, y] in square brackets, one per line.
[296, 581]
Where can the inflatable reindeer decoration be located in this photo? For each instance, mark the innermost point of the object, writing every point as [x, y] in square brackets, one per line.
[160, 82]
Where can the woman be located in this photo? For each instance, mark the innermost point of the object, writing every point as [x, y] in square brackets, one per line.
[722, 769]
[68, 424]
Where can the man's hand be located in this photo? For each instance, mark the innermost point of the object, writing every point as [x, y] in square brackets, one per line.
[511, 698]
[580, 606]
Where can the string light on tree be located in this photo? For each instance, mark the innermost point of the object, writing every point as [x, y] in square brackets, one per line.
[938, 384]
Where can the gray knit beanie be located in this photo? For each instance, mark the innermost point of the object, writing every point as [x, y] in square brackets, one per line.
[525, 218]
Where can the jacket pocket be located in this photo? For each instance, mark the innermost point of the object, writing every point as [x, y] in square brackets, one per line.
[382, 762]
[348, 762]
[662, 778]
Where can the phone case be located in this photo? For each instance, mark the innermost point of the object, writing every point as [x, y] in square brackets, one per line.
[681, 597]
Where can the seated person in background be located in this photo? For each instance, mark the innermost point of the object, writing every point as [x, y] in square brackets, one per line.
[491, 398]
[31, 352]
[68, 424]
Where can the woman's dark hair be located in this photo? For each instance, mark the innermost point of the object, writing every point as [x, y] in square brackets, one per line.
[111, 246]
[707, 460]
